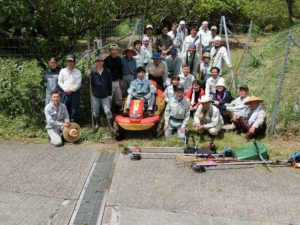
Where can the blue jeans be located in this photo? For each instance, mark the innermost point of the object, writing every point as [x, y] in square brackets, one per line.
[72, 103]
[105, 103]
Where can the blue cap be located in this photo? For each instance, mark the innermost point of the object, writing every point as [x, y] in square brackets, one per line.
[173, 51]
[156, 56]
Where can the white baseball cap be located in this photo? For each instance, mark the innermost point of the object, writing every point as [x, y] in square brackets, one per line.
[149, 26]
[217, 38]
[205, 99]
[146, 38]
[205, 22]
[182, 22]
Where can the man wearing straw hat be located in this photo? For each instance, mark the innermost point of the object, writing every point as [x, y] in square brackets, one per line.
[128, 68]
[57, 118]
[208, 117]
[251, 120]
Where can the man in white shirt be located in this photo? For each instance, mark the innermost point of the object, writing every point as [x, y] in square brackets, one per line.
[175, 37]
[182, 32]
[205, 35]
[147, 49]
[141, 55]
[69, 80]
[191, 39]
[186, 79]
[210, 86]
[148, 33]
[219, 53]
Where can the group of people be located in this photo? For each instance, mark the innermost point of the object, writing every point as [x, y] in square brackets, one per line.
[186, 66]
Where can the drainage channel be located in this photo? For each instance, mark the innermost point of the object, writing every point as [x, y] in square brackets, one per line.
[90, 206]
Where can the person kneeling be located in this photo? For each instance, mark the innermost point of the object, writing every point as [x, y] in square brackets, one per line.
[251, 120]
[141, 88]
[208, 117]
[57, 118]
[177, 114]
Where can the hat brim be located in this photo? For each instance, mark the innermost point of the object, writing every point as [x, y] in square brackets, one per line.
[70, 59]
[251, 101]
[157, 58]
[129, 50]
[66, 131]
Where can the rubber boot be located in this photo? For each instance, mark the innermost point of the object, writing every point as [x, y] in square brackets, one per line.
[96, 124]
[110, 123]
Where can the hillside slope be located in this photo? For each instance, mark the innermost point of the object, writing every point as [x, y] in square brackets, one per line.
[264, 80]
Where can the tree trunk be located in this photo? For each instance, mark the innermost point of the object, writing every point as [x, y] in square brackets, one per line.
[290, 10]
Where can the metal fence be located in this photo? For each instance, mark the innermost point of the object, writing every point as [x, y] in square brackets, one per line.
[121, 31]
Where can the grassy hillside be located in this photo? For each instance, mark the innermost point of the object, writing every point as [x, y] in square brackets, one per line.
[264, 79]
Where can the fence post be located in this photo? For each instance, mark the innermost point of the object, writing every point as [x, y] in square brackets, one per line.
[228, 49]
[277, 99]
[246, 54]
[221, 26]
[90, 83]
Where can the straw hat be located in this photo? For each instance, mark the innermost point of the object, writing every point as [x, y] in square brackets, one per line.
[72, 133]
[253, 99]
[129, 48]
[205, 99]
[221, 82]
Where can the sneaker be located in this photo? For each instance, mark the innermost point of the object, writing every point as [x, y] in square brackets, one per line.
[228, 126]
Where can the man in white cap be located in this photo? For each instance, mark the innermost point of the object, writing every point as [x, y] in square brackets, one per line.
[191, 58]
[205, 35]
[148, 33]
[213, 32]
[208, 117]
[69, 80]
[218, 53]
[57, 118]
[210, 86]
[177, 114]
[182, 32]
[190, 39]
[147, 49]
[252, 119]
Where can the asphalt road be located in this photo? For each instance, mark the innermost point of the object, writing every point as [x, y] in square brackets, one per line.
[158, 192]
[40, 185]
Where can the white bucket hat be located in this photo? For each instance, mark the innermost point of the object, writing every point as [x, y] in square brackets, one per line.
[221, 82]
[182, 22]
[205, 99]
[217, 38]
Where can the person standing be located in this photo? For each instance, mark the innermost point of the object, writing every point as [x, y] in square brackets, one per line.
[146, 48]
[175, 37]
[205, 69]
[140, 55]
[51, 78]
[128, 68]
[149, 34]
[213, 32]
[191, 58]
[191, 39]
[157, 70]
[177, 114]
[219, 53]
[164, 43]
[101, 82]
[205, 35]
[210, 86]
[57, 118]
[114, 63]
[69, 80]
[173, 63]
[182, 32]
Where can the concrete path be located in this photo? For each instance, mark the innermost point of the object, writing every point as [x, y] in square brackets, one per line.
[157, 192]
[40, 184]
